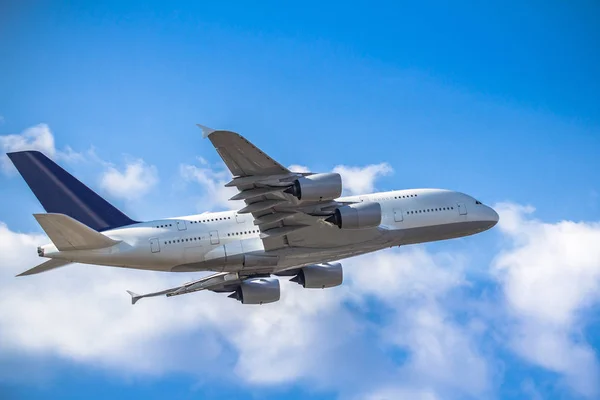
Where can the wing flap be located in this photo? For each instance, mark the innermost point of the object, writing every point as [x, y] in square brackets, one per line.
[261, 206]
[252, 193]
[281, 231]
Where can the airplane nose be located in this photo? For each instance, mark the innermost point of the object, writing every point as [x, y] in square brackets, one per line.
[493, 215]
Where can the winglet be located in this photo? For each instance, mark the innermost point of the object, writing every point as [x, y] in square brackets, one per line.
[134, 297]
[206, 131]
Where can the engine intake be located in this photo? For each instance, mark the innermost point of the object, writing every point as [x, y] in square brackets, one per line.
[257, 291]
[357, 216]
[317, 187]
[320, 276]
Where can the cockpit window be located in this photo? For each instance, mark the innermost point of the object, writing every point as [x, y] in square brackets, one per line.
[477, 202]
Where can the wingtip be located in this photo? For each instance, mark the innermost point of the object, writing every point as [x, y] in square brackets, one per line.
[206, 131]
[134, 296]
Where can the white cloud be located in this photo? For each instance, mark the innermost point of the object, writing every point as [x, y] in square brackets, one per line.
[443, 357]
[38, 137]
[393, 393]
[355, 180]
[408, 274]
[444, 354]
[216, 195]
[298, 168]
[134, 182]
[550, 275]
[360, 180]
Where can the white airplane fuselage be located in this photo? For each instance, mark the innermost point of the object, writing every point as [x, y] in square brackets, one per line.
[229, 241]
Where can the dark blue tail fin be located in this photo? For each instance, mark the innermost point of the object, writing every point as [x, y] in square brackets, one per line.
[60, 192]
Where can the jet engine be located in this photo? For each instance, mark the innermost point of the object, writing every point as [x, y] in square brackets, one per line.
[357, 216]
[320, 276]
[257, 291]
[317, 187]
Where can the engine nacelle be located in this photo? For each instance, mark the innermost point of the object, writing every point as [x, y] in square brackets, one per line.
[320, 276]
[317, 187]
[257, 291]
[357, 216]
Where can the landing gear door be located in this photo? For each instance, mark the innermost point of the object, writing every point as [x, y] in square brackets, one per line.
[398, 215]
[462, 209]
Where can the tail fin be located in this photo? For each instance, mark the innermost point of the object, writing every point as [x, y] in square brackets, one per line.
[60, 192]
[46, 266]
[69, 234]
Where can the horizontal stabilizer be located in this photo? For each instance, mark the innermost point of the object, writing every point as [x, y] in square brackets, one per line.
[47, 266]
[68, 234]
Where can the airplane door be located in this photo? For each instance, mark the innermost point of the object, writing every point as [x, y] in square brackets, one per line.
[398, 215]
[154, 245]
[214, 237]
[181, 225]
[462, 209]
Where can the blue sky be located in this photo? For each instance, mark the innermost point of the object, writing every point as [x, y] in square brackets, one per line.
[502, 102]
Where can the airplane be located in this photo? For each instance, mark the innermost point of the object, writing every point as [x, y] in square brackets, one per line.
[294, 224]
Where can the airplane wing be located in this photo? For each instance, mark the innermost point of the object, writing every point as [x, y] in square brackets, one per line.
[270, 190]
[219, 282]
